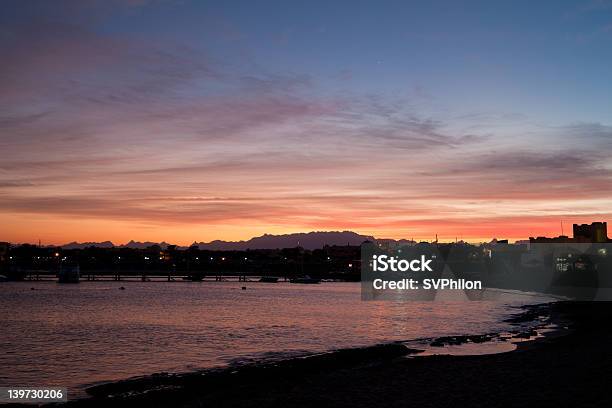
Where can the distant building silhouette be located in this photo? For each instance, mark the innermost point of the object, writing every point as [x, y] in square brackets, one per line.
[596, 232]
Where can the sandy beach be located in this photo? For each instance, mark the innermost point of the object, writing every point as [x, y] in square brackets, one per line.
[567, 368]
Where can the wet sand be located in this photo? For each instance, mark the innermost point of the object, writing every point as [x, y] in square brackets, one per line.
[572, 368]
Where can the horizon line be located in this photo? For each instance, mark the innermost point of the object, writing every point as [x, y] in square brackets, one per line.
[432, 239]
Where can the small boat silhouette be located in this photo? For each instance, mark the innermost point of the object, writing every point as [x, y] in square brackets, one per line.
[305, 279]
[269, 279]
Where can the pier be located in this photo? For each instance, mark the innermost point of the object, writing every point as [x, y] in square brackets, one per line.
[52, 276]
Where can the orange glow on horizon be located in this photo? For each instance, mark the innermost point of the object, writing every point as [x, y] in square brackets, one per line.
[61, 230]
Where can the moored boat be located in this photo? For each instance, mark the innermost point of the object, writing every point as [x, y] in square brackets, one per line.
[269, 279]
[306, 280]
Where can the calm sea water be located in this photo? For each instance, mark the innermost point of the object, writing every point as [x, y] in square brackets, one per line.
[77, 335]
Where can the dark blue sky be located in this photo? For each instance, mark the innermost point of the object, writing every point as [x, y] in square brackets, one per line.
[550, 58]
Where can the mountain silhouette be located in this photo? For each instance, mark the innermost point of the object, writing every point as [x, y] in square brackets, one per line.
[81, 245]
[307, 240]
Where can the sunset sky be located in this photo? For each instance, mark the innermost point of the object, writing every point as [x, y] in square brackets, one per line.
[191, 120]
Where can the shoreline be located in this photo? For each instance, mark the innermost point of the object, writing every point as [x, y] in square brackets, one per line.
[325, 376]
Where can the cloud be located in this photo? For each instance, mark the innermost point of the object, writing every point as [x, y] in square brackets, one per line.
[78, 65]
[526, 175]
[587, 133]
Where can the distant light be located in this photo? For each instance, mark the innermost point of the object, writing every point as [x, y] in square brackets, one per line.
[10, 257]
[146, 258]
[328, 258]
[350, 265]
[197, 258]
[161, 257]
[118, 257]
[211, 258]
[223, 258]
[245, 258]
[56, 254]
